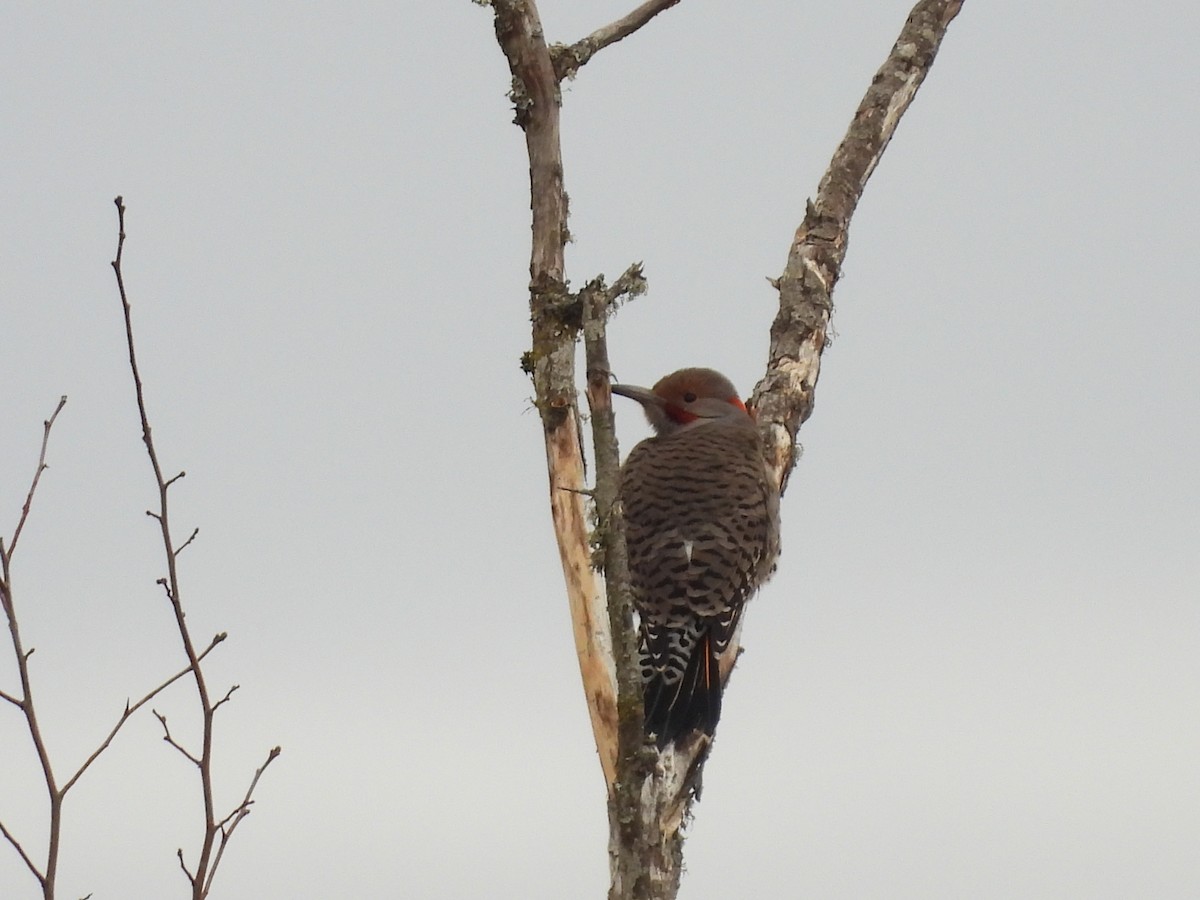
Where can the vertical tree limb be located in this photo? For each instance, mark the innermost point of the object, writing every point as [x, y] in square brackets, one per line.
[645, 859]
[214, 829]
[535, 94]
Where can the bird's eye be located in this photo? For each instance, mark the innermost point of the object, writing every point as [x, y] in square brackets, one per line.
[689, 397]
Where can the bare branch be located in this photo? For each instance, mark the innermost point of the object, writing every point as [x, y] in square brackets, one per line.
[11, 699]
[37, 475]
[24, 856]
[641, 850]
[551, 361]
[131, 709]
[190, 877]
[582, 492]
[170, 740]
[629, 284]
[569, 60]
[784, 398]
[26, 704]
[225, 699]
[183, 546]
[625, 735]
[171, 585]
[240, 812]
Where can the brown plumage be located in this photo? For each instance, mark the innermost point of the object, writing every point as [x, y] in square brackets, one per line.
[702, 529]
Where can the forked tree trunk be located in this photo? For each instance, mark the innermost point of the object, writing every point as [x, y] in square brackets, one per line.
[650, 792]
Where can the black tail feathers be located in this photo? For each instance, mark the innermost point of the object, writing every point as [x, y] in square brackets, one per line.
[691, 704]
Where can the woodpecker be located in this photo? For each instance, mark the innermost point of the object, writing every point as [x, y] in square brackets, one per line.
[702, 530]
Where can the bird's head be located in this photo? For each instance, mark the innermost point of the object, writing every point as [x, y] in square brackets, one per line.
[689, 398]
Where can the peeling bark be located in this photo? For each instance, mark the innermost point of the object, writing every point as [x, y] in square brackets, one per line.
[536, 97]
[784, 398]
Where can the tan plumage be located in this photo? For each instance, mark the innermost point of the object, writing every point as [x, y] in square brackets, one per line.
[702, 529]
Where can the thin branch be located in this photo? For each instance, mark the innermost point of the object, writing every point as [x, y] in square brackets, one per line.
[11, 699]
[225, 699]
[190, 877]
[569, 60]
[641, 850]
[24, 856]
[27, 704]
[131, 709]
[598, 303]
[234, 818]
[198, 763]
[184, 545]
[37, 475]
[582, 492]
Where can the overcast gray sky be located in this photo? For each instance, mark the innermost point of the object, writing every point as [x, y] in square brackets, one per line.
[977, 672]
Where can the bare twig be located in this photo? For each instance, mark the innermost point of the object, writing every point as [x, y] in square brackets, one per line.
[190, 877]
[225, 699]
[130, 709]
[569, 60]
[183, 546]
[24, 856]
[240, 812]
[162, 720]
[37, 476]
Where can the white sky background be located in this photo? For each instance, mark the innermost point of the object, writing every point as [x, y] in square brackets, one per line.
[977, 672]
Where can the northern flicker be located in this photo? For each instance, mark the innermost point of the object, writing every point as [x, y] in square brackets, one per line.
[702, 530]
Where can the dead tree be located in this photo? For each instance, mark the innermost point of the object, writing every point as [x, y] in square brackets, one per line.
[650, 793]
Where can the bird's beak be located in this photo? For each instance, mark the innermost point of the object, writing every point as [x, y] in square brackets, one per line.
[642, 395]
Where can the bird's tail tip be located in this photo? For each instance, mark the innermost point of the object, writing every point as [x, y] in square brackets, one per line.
[693, 703]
